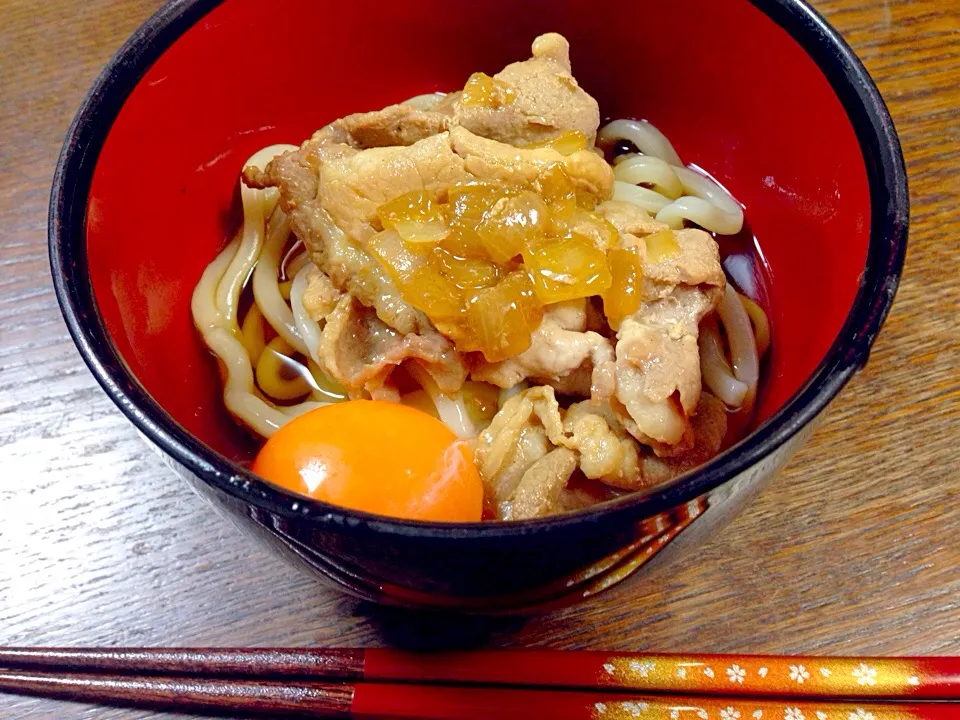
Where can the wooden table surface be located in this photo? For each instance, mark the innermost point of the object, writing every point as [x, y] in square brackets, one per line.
[855, 548]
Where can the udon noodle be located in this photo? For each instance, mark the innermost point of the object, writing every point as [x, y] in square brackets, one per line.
[250, 366]
[268, 357]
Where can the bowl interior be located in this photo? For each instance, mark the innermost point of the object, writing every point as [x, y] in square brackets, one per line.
[732, 90]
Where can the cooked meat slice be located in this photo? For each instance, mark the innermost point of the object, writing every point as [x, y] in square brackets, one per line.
[576, 383]
[542, 485]
[527, 427]
[553, 47]
[569, 315]
[320, 296]
[599, 447]
[447, 105]
[353, 185]
[658, 366]
[349, 267]
[629, 474]
[361, 352]
[697, 263]
[331, 192]
[661, 341]
[353, 270]
[520, 482]
[531, 445]
[661, 425]
[295, 173]
[531, 423]
[607, 452]
[630, 219]
[603, 382]
[394, 125]
[709, 429]
[492, 161]
[658, 361]
[554, 352]
[580, 494]
[500, 437]
[547, 99]
[560, 354]
[352, 188]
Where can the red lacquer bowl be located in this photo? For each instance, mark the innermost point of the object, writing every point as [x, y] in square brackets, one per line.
[763, 94]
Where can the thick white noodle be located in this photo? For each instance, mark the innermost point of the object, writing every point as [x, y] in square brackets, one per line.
[251, 243]
[216, 297]
[257, 206]
[740, 338]
[643, 135]
[650, 170]
[650, 200]
[299, 261]
[221, 336]
[217, 335]
[206, 314]
[717, 375]
[237, 396]
[678, 193]
[203, 306]
[702, 212]
[741, 268]
[452, 410]
[696, 182]
[705, 203]
[308, 328]
[266, 290]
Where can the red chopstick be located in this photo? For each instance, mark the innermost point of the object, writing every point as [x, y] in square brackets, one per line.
[366, 701]
[725, 675]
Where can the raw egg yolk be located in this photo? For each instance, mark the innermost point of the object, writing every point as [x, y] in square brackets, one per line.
[379, 457]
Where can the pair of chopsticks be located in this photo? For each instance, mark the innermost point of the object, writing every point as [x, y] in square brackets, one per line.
[521, 684]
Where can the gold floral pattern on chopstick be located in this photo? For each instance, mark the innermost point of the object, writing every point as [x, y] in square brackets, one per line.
[658, 708]
[759, 675]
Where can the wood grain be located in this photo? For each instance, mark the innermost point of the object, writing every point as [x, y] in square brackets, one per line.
[854, 549]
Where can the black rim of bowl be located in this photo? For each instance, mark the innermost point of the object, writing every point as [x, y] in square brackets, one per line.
[887, 179]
